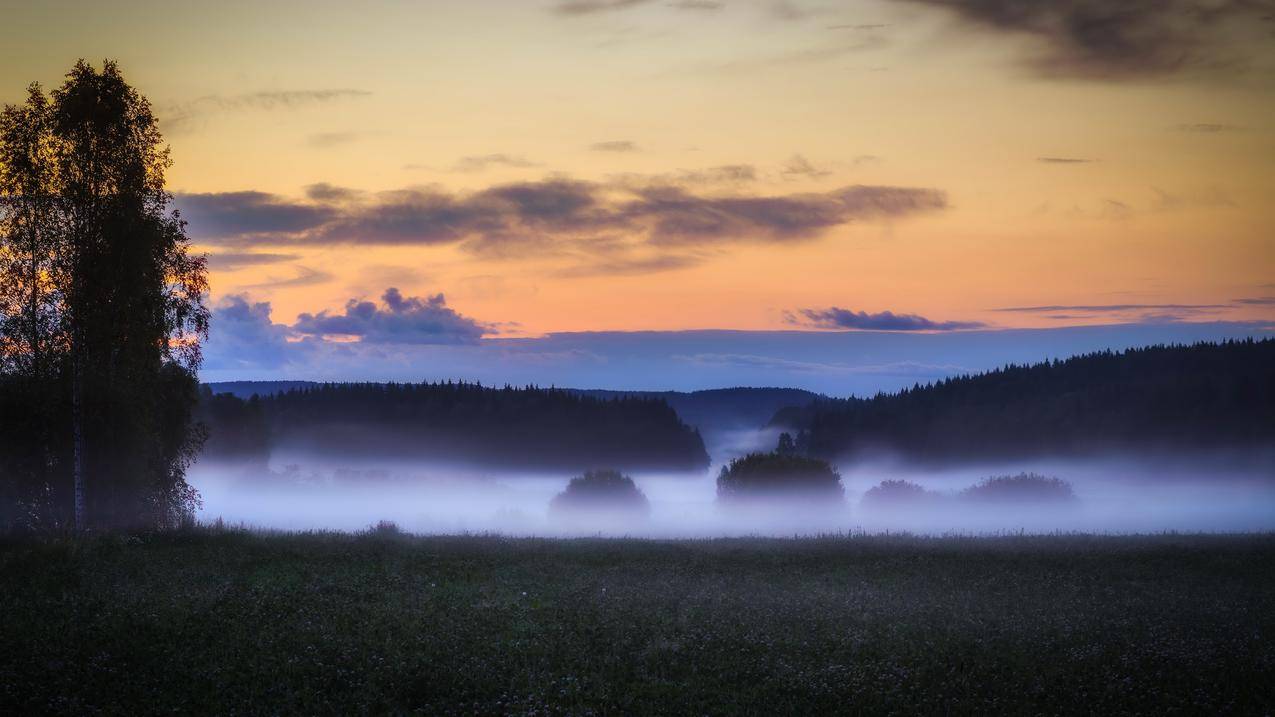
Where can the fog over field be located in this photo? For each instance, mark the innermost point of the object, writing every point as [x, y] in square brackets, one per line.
[1112, 496]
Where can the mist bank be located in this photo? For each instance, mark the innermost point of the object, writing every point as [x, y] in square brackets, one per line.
[1126, 495]
[1204, 399]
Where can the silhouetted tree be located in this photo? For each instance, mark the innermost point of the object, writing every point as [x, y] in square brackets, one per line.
[778, 475]
[786, 445]
[898, 494]
[91, 245]
[1022, 488]
[601, 491]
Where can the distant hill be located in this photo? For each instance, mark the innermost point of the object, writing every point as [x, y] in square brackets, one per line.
[457, 423]
[1164, 399]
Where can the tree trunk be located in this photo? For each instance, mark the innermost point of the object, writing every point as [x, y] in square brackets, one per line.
[77, 438]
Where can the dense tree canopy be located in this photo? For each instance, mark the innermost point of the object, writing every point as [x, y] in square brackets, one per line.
[101, 311]
[527, 428]
[604, 491]
[1163, 399]
[778, 475]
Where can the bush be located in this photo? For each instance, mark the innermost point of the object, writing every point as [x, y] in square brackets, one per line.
[898, 493]
[773, 475]
[601, 491]
[1022, 488]
[385, 528]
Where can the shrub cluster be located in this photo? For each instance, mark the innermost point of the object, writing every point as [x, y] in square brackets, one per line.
[601, 490]
[1021, 488]
[771, 475]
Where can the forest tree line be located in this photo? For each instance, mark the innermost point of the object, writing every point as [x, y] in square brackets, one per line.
[1164, 399]
[465, 423]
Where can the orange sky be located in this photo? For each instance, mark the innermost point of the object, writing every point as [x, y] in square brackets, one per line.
[1163, 207]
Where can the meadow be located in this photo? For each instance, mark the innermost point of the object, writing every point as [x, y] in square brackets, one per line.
[233, 621]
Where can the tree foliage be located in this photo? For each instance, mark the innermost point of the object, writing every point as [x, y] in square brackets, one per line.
[1021, 488]
[774, 475]
[891, 494]
[101, 310]
[607, 491]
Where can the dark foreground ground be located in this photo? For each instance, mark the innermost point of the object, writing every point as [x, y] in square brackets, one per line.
[228, 621]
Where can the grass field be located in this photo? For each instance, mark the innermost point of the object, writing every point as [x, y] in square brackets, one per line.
[231, 621]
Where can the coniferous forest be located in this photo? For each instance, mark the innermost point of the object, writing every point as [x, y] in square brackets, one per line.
[1209, 397]
[518, 428]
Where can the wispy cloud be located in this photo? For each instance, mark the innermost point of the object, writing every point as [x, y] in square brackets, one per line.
[1064, 160]
[615, 145]
[1208, 128]
[630, 267]
[478, 163]
[589, 7]
[233, 260]
[183, 115]
[305, 277]
[799, 166]
[1107, 308]
[325, 140]
[838, 318]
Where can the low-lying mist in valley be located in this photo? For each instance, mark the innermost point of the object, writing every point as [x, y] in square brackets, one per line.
[1124, 495]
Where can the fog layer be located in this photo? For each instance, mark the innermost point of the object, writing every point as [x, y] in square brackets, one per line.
[1124, 495]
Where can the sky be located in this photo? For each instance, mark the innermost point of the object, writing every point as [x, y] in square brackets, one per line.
[527, 189]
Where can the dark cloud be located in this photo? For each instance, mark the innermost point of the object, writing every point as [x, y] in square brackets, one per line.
[678, 217]
[1064, 160]
[398, 320]
[231, 216]
[1101, 39]
[330, 193]
[544, 216]
[838, 318]
[480, 162]
[232, 260]
[617, 145]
